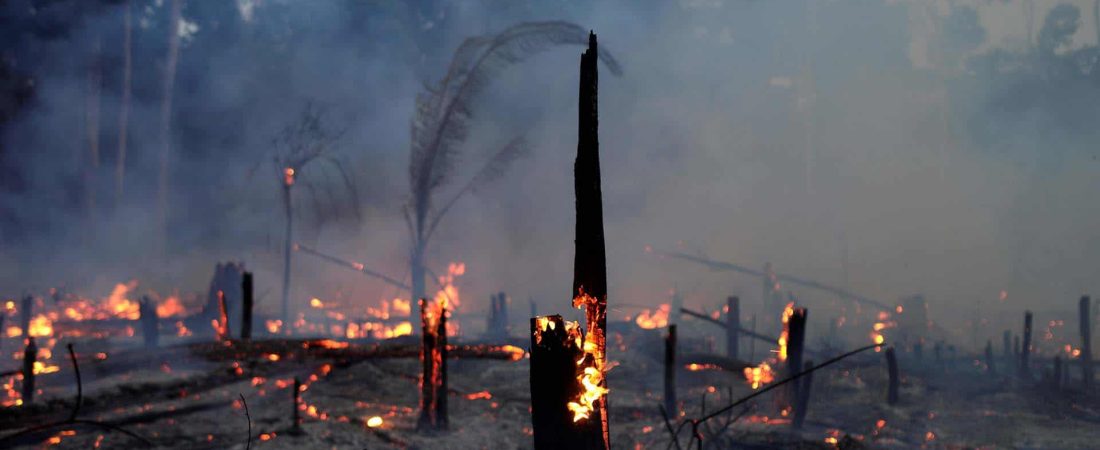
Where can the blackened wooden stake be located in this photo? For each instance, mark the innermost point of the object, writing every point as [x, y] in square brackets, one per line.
[1086, 342]
[30, 356]
[892, 370]
[1006, 342]
[296, 427]
[1025, 348]
[427, 371]
[802, 403]
[147, 315]
[733, 327]
[670, 371]
[246, 306]
[796, 338]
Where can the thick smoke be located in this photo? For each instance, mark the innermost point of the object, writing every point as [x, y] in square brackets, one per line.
[862, 144]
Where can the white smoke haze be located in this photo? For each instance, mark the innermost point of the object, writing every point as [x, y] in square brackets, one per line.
[742, 131]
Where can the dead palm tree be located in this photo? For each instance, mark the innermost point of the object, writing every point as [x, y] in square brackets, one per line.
[440, 124]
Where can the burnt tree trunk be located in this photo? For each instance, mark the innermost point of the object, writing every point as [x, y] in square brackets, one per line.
[1025, 348]
[440, 412]
[296, 426]
[1086, 342]
[246, 306]
[892, 370]
[30, 356]
[733, 327]
[1006, 342]
[288, 247]
[427, 373]
[150, 325]
[670, 372]
[223, 317]
[124, 102]
[589, 263]
[796, 338]
[554, 355]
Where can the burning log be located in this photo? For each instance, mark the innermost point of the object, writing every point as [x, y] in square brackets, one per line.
[296, 425]
[150, 324]
[802, 402]
[30, 357]
[555, 349]
[989, 358]
[441, 390]
[1025, 348]
[892, 370]
[733, 326]
[670, 371]
[1086, 342]
[246, 306]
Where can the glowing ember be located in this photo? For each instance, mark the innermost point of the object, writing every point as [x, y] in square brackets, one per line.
[701, 367]
[273, 326]
[374, 422]
[788, 311]
[170, 307]
[658, 319]
[759, 375]
[41, 326]
[288, 176]
[316, 303]
[483, 395]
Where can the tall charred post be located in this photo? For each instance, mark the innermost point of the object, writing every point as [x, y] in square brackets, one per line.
[554, 355]
[1025, 348]
[892, 371]
[733, 327]
[796, 338]
[670, 371]
[30, 356]
[1083, 311]
[246, 306]
[147, 314]
[590, 262]
[1006, 342]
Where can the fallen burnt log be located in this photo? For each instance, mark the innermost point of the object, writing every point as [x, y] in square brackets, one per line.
[327, 348]
[703, 361]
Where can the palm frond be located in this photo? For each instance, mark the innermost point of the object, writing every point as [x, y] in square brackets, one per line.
[492, 171]
[443, 113]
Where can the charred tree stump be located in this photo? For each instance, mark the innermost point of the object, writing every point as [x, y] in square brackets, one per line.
[892, 370]
[428, 374]
[670, 371]
[30, 356]
[733, 327]
[796, 338]
[590, 262]
[246, 306]
[1016, 349]
[150, 325]
[26, 307]
[1006, 342]
[1086, 342]
[802, 403]
[498, 316]
[990, 367]
[554, 368]
[296, 426]
[441, 421]
[1025, 348]
[1056, 377]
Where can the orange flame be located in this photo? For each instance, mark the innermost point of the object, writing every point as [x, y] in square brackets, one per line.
[658, 319]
